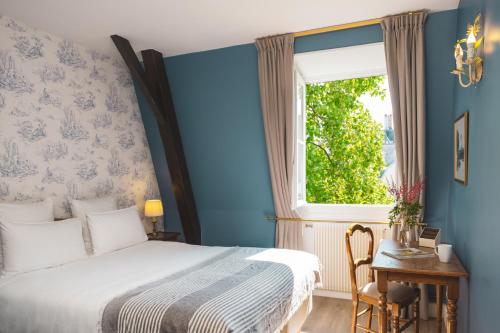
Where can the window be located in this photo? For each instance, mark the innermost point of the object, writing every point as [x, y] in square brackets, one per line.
[344, 134]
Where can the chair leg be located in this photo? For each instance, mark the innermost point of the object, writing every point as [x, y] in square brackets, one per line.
[416, 314]
[354, 320]
[396, 312]
[369, 319]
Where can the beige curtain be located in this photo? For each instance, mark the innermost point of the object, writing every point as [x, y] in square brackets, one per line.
[405, 57]
[275, 57]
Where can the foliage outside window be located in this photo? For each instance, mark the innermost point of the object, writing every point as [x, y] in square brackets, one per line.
[344, 145]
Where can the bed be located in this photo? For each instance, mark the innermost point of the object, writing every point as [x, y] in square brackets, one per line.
[159, 286]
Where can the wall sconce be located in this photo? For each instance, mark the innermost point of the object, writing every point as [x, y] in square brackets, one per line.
[472, 67]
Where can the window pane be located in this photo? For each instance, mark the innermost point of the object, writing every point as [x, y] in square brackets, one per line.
[350, 153]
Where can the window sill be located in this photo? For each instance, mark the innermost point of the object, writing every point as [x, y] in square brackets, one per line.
[345, 213]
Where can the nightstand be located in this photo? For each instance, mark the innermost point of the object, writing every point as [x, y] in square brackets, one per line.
[165, 236]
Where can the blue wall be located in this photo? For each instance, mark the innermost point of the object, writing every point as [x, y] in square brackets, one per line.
[440, 87]
[216, 96]
[217, 102]
[474, 209]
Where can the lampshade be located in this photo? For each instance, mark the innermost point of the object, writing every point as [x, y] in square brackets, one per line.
[153, 208]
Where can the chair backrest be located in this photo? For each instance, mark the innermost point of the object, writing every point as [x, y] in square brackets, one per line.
[355, 263]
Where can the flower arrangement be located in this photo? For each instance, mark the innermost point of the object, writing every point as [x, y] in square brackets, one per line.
[407, 206]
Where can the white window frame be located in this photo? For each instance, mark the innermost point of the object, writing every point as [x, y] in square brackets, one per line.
[299, 168]
[317, 211]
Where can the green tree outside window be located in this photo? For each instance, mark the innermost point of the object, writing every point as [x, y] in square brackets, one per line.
[344, 143]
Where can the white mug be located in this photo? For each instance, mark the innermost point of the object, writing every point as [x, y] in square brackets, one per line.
[444, 252]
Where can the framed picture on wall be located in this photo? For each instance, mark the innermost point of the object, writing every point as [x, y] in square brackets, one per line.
[461, 148]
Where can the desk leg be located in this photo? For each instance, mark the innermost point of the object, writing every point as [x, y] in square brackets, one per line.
[382, 302]
[439, 307]
[451, 325]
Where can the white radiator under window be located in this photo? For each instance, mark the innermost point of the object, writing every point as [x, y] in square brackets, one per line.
[327, 241]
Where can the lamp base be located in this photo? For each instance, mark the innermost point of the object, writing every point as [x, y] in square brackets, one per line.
[154, 234]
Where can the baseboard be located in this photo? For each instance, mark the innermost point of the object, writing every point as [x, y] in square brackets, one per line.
[332, 294]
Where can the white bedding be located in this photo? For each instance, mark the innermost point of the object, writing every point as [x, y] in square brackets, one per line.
[72, 297]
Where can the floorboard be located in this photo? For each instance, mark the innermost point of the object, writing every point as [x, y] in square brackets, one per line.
[331, 315]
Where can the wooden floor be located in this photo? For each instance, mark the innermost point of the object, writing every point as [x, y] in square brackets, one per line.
[331, 315]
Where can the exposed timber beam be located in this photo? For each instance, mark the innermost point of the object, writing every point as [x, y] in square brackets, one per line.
[153, 82]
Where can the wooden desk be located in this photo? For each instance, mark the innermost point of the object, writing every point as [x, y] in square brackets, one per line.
[427, 271]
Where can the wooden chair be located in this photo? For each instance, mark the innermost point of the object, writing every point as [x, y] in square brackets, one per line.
[399, 296]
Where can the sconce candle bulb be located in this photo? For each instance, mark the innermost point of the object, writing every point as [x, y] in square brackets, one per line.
[471, 42]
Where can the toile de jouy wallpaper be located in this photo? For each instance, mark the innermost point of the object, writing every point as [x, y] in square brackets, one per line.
[70, 126]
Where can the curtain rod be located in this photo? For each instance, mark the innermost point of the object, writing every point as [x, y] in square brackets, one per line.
[338, 27]
[346, 26]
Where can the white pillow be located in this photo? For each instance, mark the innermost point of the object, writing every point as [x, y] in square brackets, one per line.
[80, 209]
[115, 230]
[27, 247]
[26, 212]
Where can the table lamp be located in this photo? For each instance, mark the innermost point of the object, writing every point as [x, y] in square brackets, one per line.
[153, 209]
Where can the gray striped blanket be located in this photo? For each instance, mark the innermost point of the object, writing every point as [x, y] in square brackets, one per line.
[228, 293]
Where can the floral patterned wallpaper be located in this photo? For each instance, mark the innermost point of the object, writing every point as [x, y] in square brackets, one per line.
[70, 126]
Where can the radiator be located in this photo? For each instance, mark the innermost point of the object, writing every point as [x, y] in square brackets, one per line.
[327, 241]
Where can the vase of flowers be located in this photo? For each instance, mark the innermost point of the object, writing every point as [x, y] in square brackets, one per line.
[407, 209]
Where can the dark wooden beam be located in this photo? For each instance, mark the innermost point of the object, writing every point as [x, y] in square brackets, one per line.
[156, 76]
[153, 83]
[137, 72]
